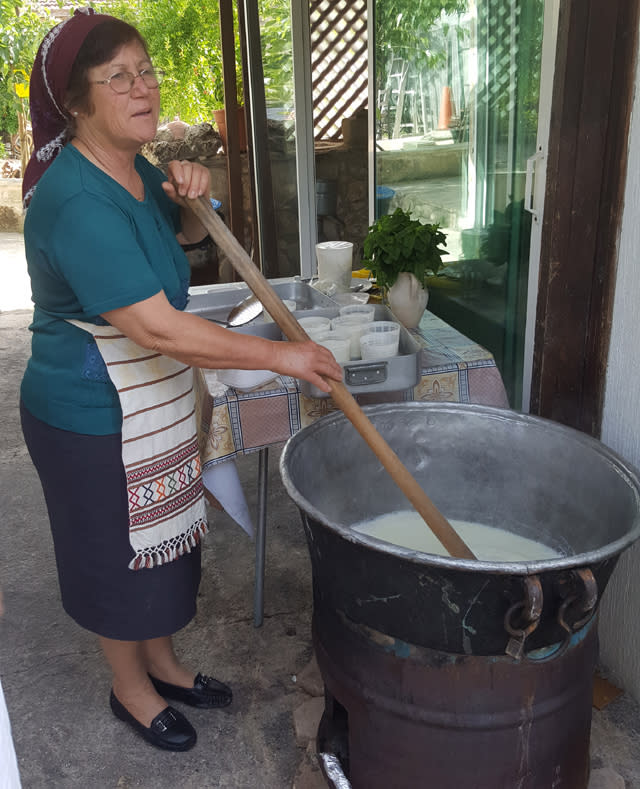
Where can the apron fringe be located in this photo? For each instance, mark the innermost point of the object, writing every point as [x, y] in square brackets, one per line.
[168, 552]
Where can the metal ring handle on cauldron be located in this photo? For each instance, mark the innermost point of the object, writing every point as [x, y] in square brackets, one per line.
[584, 602]
[529, 609]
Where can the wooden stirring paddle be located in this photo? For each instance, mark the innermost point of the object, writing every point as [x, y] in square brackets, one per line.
[254, 278]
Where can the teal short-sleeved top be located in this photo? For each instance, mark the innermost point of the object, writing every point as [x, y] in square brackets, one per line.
[91, 247]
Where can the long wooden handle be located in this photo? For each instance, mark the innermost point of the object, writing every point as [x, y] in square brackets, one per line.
[250, 273]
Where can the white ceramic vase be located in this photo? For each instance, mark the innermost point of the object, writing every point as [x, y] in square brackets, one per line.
[407, 299]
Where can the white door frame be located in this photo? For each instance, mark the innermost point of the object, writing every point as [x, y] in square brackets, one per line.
[305, 158]
[535, 187]
[371, 105]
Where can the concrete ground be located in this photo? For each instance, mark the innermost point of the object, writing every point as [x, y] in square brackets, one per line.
[15, 291]
[57, 686]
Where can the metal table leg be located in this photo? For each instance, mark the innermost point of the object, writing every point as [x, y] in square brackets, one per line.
[261, 534]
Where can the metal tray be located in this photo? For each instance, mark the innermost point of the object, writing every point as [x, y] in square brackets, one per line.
[360, 377]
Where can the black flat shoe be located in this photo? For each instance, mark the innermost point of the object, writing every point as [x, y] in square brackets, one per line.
[206, 692]
[169, 730]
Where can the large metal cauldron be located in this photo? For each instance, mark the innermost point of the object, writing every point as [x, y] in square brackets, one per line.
[444, 672]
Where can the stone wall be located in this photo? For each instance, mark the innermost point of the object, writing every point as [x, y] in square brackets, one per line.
[11, 218]
[347, 166]
[416, 163]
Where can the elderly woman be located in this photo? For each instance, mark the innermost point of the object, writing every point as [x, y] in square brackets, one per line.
[107, 398]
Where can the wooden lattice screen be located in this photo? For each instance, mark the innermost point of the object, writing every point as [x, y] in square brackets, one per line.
[339, 63]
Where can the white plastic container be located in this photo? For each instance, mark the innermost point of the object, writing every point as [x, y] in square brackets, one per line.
[245, 380]
[336, 343]
[355, 325]
[335, 263]
[384, 327]
[359, 310]
[315, 325]
[380, 340]
[345, 333]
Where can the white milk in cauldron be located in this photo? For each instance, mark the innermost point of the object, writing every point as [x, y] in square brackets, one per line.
[407, 529]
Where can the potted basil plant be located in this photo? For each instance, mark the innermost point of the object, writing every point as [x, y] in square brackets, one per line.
[401, 253]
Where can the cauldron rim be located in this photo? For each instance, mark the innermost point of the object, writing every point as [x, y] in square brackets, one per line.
[585, 559]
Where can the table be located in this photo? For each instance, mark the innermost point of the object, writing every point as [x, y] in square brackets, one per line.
[453, 369]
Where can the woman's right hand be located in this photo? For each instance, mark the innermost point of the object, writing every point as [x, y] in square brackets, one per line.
[307, 360]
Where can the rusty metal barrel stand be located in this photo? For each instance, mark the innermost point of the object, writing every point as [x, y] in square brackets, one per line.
[402, 715]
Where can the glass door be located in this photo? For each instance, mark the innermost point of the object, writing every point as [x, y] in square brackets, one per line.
[269, 51]
[457, 117]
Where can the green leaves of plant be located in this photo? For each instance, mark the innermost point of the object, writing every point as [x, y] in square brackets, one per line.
[396, 242]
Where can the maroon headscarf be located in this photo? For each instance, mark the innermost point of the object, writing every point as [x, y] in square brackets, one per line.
[47, 88]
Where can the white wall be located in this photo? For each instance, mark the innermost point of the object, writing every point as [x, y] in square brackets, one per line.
[620, 609]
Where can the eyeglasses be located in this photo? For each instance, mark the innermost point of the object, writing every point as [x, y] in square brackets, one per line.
[122, 82]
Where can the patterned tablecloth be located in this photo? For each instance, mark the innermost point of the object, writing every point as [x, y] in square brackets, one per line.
[454, 369]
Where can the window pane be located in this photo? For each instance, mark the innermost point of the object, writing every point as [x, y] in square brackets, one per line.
[457, 88]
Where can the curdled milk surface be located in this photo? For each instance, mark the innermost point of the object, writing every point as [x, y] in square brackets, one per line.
[407, 529]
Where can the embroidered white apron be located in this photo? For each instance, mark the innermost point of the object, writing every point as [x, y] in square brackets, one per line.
[167, 514]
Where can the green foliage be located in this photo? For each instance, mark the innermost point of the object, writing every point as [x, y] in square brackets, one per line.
[8, 113]
[396, 243]
[277, 52]
[22, 27]
[404, 25]
[404, 29]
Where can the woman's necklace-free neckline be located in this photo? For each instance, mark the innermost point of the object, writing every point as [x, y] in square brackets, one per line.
[131, 182]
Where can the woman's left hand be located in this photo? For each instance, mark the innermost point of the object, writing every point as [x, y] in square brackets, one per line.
[186, 179]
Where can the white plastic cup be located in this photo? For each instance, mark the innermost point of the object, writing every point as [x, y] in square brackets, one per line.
[335, 260]
[338, 345]
[345, 333]
[315, 325]
[380, 340]
[384, 327]
[364, 310]
[355, 325]
[290, 304]
[377, 346]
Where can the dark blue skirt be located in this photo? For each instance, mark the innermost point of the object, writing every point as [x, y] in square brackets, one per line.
[84, 486]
